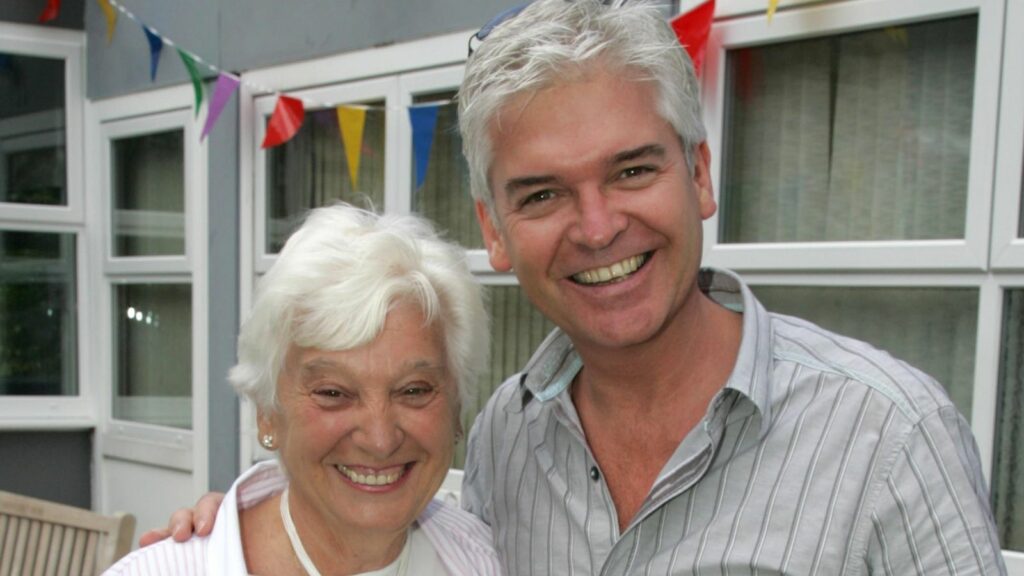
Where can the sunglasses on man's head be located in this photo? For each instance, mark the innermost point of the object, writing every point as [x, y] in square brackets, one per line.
[501, 17]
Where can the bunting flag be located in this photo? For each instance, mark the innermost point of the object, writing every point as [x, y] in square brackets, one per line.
[50, 12]
[156, 46]
[424, 122]
[222, 91]
[693, 29]
[193, 73]
[111, 15]
[351, 121]
[772, 5]
[285, 122]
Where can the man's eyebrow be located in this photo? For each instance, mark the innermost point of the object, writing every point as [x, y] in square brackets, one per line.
[516, 184]
[645, 150]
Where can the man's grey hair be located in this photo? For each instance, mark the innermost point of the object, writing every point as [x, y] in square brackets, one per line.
[553, 41]
[335, 281]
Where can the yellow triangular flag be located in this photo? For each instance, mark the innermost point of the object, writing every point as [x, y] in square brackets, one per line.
[772, 5]
[351, 121]
[111, 15]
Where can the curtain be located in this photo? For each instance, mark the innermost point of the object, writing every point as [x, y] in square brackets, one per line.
[861, 136]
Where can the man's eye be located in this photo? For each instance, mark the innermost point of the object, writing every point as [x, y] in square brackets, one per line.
[635, 171]
[539, 196]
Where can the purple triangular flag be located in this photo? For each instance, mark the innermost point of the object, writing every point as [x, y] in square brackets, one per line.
[424, 122]
[156, 45]
[226, 86]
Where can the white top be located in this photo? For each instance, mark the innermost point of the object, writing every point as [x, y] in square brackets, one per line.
[452, 541]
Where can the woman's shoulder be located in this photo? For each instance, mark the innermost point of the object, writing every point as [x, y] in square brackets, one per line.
[165, 558]
[462, 540]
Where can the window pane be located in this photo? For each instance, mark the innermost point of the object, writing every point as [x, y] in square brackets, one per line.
[32, 165]
[444, 196]
[311, 170]
[901, 321]
[148, 179]
[1008, 473]
[517, 328]
[860, 136]
[38, 316]
[153, 354]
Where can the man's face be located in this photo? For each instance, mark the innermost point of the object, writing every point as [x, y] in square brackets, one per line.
[596, 210]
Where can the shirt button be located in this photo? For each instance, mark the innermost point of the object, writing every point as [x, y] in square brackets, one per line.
[595, 475]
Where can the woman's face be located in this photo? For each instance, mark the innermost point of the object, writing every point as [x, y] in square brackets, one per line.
[367, 434]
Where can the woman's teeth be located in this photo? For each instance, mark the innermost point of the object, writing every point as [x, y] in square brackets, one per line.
[371, 479]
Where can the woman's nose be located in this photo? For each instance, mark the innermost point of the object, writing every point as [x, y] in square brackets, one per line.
[379, 433]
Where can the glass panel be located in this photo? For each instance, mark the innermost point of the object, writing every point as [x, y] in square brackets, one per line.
[148, 179]
[517, 328]
[311, 170]
[903, 321]
[444, 196]
[861, 136]
[38, 315]
[1008, 467]
[153, 354]
[32, 164]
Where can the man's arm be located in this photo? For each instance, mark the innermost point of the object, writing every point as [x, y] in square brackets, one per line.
[932, 514]
[185, 522]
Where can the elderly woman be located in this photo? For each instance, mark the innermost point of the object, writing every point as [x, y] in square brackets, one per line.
[362, 345]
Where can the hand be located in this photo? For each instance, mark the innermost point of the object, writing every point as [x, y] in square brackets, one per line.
[186, 521]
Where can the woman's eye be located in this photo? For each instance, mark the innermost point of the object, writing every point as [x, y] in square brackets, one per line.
[417, 394]
[331, 395]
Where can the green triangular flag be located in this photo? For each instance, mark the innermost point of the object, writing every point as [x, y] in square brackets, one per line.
[193, 73]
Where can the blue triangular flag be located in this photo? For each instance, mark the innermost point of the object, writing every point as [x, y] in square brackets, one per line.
[424, 121]
[156, 44]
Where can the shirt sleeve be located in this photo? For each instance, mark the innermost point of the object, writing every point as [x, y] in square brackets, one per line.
[932, 513]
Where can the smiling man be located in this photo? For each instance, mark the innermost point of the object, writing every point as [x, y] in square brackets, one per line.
[670, 425]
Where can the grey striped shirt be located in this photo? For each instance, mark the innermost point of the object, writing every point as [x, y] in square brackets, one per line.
[821, 455]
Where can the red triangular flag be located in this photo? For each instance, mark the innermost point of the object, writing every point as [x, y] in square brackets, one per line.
[286, 121]
[693, 29]
[50, 12]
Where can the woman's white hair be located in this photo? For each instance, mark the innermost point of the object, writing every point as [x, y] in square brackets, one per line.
[560, 40]
[334, 283]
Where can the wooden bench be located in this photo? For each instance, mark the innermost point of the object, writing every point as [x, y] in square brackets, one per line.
[41, 538]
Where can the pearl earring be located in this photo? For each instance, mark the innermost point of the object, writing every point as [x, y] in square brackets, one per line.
[267, 441]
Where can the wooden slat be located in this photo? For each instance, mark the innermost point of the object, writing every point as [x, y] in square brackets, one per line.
[45, 540]
[53, 561]
[20, 541]
[66, 545]
[7, 547]
[89, 558]
[31, 547]
[78, 552]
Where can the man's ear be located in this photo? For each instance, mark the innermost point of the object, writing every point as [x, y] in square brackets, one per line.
[492, 239]
[702, 181]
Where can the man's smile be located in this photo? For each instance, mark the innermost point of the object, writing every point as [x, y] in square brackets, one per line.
[609, 274]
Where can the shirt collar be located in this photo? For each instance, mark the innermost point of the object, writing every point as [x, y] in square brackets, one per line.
[550, 370]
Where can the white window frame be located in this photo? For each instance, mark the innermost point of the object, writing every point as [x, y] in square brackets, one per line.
[29, 130]
[53, 412]
[129, 116]
[969, 253]
[1007, 242]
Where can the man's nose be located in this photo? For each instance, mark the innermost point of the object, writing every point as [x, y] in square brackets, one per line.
[599, 221]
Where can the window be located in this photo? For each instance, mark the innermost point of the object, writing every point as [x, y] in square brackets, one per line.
[852, 147]
[43, 339]
[149, 211]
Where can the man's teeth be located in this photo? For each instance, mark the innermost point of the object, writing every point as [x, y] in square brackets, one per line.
[612, 273]
[370, 479]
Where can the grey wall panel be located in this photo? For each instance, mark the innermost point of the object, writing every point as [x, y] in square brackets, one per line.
[122, 66]
[53, 466]
[28, 11]
[278, 32]
[224, 297]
